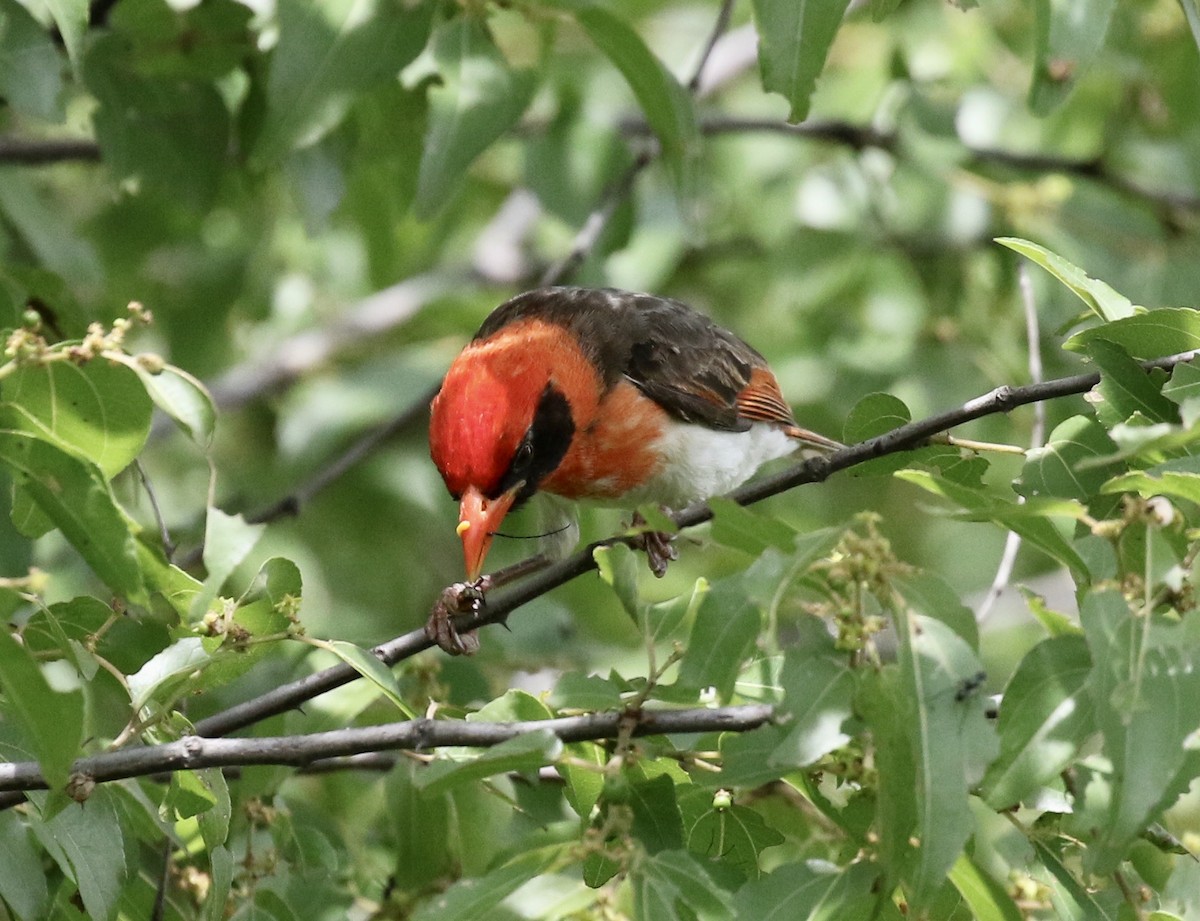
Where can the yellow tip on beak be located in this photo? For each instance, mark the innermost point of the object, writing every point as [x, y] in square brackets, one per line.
[478, 519]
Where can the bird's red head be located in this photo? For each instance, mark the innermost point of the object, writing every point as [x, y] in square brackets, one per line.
[499, 425]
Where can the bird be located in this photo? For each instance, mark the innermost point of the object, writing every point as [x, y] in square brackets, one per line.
[608, 395]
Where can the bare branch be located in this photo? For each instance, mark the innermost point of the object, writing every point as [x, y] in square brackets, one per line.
[1033, 336]
[46, 152]
[504, 602]
[719, 28]
[194, 752]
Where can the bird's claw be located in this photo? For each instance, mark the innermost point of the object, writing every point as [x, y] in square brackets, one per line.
[459, 598]
[658, 546]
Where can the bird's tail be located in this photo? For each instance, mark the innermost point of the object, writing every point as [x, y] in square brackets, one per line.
[811, 442]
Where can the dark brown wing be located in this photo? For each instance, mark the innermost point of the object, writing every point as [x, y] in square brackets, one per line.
[696, 370]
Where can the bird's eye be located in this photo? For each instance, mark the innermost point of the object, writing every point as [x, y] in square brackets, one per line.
[523, 456]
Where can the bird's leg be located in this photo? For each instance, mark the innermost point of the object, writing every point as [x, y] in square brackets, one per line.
[658, 545]
[469, 598]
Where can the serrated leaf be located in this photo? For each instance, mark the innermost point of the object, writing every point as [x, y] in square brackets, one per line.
[85, 840]
[730, 835]
[477, 898]
[97, 410]
[22, 880]
[1100, 298]
[1039, 532]
[1179, 478]
[75, 496]
[726, 626]
[818, 696]
[793, 41]
[52, 720]
[1126, 388]
[666, 881]
[1073, 464]
[1144, 685]
[480, 98]
[527, 752]
[1153, 334]
[327, 54]
[813, 890]
[1045, 715]
[1069, 38]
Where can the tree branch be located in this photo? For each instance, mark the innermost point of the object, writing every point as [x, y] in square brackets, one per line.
[43, 153]
[195, 752]
[506, 600]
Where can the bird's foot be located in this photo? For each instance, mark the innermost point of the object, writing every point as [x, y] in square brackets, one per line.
[457, 599]
[658, 546]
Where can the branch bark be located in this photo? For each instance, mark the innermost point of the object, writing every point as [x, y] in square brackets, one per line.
[195, 752]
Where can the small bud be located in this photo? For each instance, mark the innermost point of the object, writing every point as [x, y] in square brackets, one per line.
[722, 800]
[151, 362]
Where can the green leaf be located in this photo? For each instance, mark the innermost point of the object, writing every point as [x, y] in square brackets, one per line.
[188, 795]
[1072, 464]
[1153, 334]
[664, 882]
[71, 18]
[29, 64]
[748, 530]
[793, 40]
[184, 399]
[163, 675]
[480, 98]
[726, 627]
[987, 899]
[220, 883]
[22, 881]
[1144, 685]
[228, 540]
[86, 842]
[1184, 383]
[875, 414]
[477, 898]
[951, 743]
[1179, 478]
[929, 594]
[1069, 39]
[814, 890]
[1100, 298]
[214, 822]
[1037, 531]
[667, 105]
[98, 410]
[527, 752]
[657, 822]
[1045, 716]
[574, 691]
[1126, 388]
[420, 829]
[327, 54]
[74, 495]
[818, 694]
[618, 566]
[731, 835]
[368, 665]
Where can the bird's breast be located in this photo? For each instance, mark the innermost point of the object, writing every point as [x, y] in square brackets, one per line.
[633, 451]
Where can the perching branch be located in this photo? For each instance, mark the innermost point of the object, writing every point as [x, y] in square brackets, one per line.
[44, 153]
[194, 752]
[505, 601]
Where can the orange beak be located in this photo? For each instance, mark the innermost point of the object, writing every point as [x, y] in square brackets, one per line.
[478, 520]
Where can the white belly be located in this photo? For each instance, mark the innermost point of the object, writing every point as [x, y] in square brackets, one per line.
[699, 462]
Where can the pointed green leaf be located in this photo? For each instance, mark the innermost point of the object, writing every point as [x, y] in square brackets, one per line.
[478, 898]
[86, 842]
[22, 881]
[479, 99]
[524, 753]
[987, 899]
[793, 41]
[52, 719]
[1100, 298]
[368, 665]
[1069, 38]
[1153, 334]
[1126, 388]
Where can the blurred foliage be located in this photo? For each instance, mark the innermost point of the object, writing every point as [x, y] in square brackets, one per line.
[319, 202]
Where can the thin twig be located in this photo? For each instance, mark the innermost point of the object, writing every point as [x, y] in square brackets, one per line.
[163, 532]
[194, 752]
[718, 30]
[504, 602]
[46, 152]
[1033, 336]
